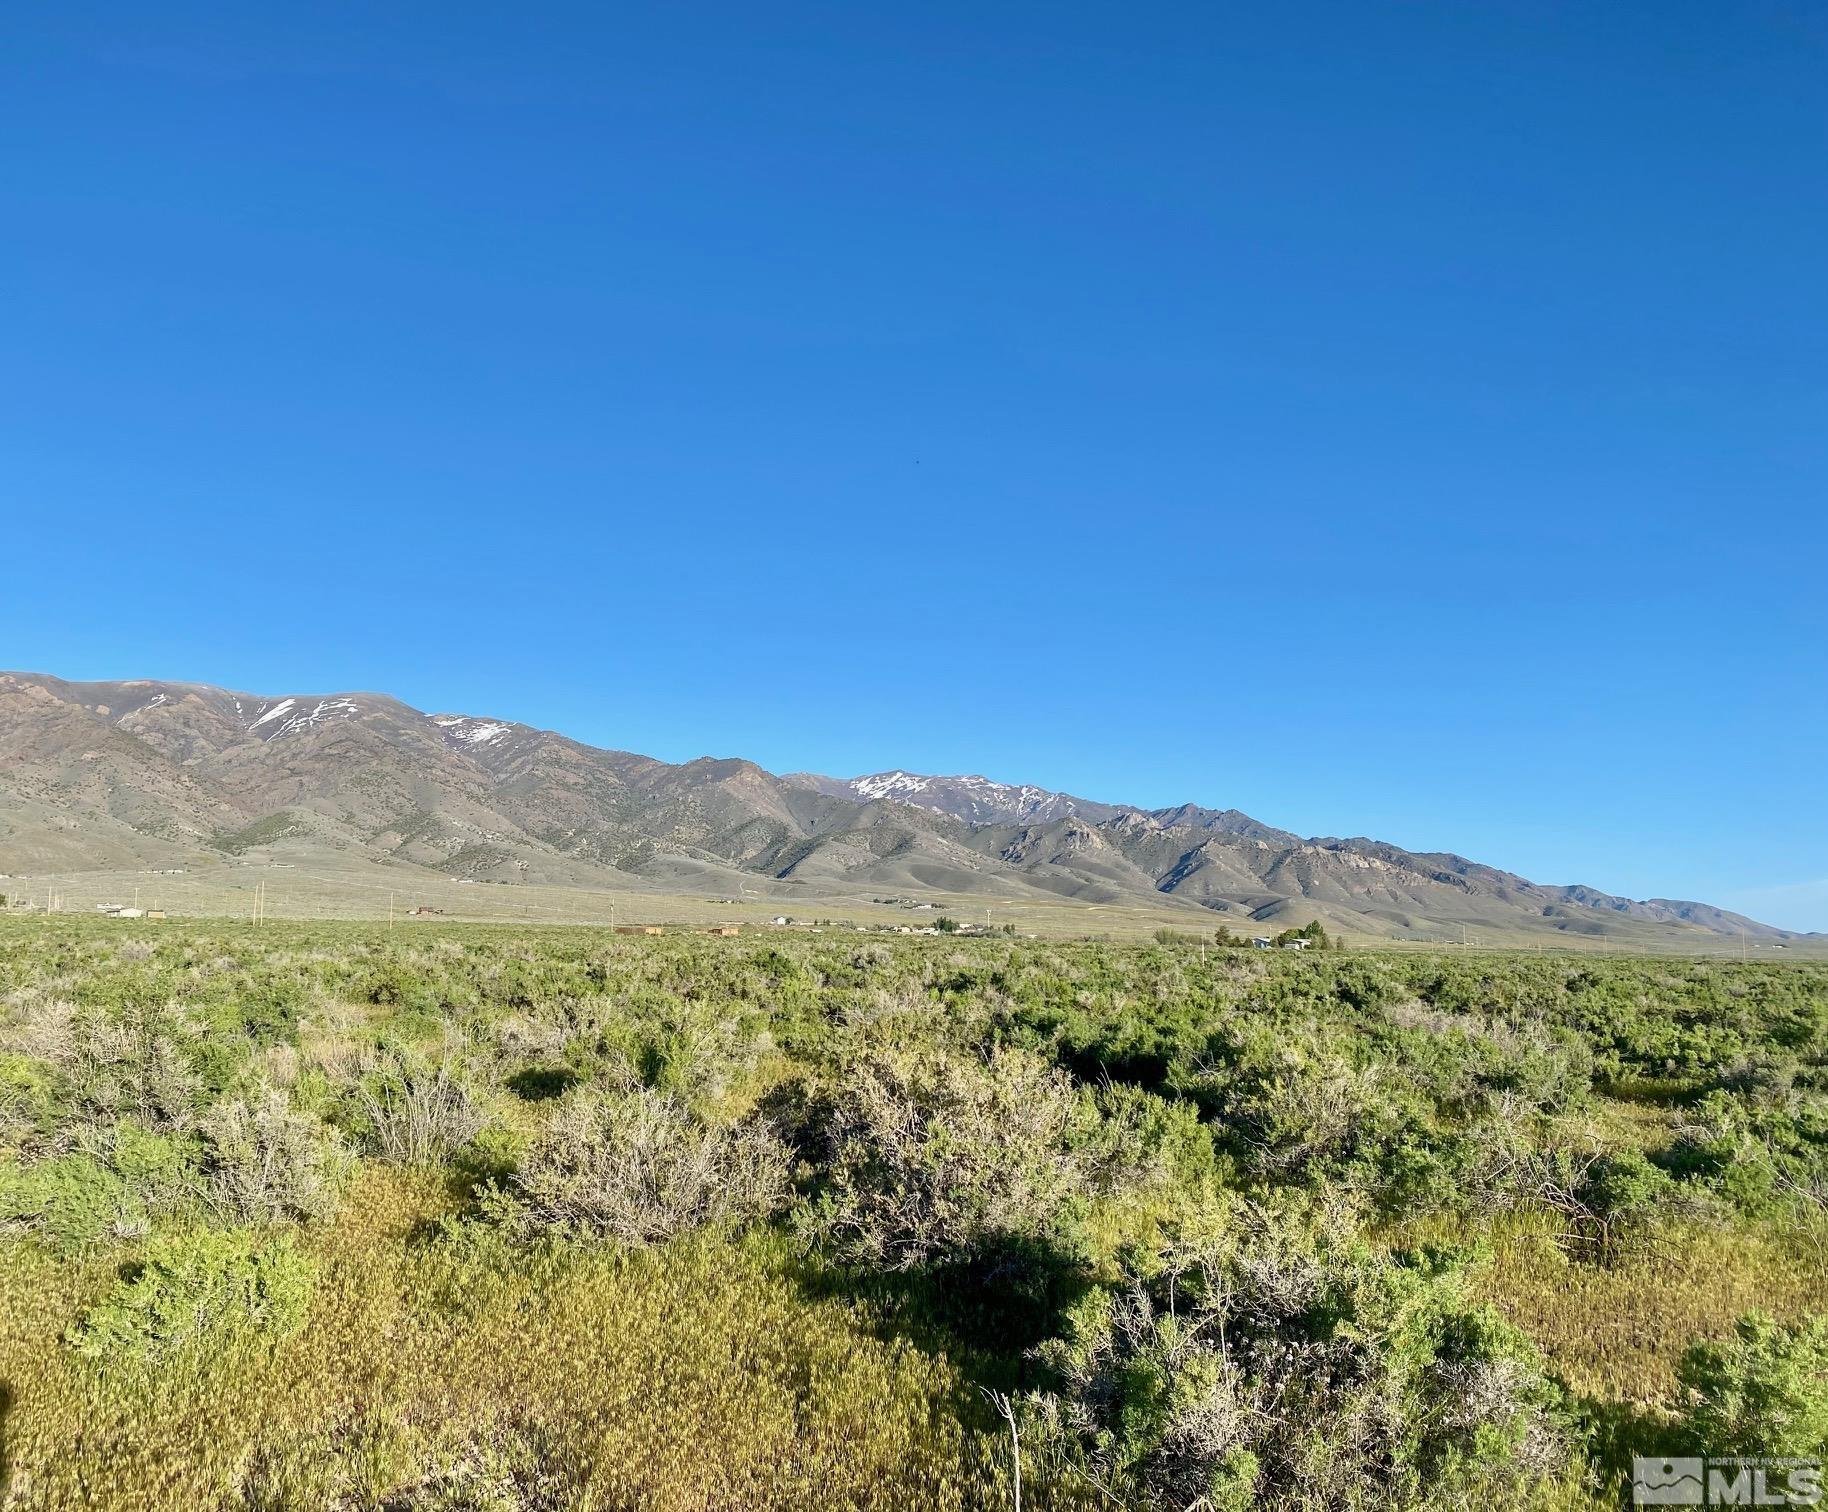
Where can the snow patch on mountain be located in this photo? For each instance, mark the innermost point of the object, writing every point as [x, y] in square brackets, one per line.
[460, 729]
[325, 709]
[889, 785]
[978, 800]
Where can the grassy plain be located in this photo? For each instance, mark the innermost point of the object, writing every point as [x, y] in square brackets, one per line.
[310, 884]
[469, 1216]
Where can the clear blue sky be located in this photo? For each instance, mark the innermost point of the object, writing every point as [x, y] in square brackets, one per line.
[1405, 419]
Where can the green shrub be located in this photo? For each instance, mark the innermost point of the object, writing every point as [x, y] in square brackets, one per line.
[27, 1090]
[139, 1066]
[72, 1201]
[1268, 1359]
[263, 1161]
[109, 1188]
[148, 1161]
[928, 1155]
[1624, 1187]
[199, 1286]
[397, 985]
[418, 1117]
[639, 1167]
[1140, 1141]
[1764, 1390]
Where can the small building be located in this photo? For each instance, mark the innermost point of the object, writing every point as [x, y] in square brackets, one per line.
[155, 913]
[1261, 942]
[640, 929]
[127, 913]
[1295, 944]
[727, 931]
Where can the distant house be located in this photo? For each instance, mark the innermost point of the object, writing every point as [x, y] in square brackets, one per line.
[726, 930]
[1294, 944]
[1261, 942]
[128, 913]
[640, 929]
[782, 919]
[155, 913]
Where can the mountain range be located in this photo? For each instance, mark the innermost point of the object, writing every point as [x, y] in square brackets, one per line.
[144, 774]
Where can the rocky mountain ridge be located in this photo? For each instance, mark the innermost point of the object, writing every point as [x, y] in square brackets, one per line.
[131, 773]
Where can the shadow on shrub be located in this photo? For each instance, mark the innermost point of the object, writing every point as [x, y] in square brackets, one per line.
[988, 1312]
[542, 1083]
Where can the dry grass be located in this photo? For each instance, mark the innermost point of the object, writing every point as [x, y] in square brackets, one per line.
[695, 1377]
[1614, 1331]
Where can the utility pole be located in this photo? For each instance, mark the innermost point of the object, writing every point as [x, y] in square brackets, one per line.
[390, 910]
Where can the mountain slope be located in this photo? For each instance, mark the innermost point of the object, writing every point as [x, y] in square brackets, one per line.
[142, 773]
